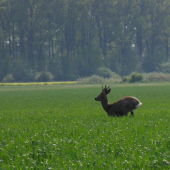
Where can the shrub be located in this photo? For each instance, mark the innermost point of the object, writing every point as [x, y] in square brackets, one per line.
[125, 79]
[8, 79]
[83, 80]
[164, 67]
[135, 77]
[44, 77]
[104, 72]
[95, 79]
[19, 71]
[156, 77]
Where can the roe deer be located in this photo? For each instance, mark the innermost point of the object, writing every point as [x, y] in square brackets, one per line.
[119, 108]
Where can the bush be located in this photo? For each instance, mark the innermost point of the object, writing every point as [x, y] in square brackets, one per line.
[104, 72]
[156, 77]
[125, 79]
[19, 71]
[95, 79]
[44, 77]
[164, 67]
[135, 77]
[8, 79]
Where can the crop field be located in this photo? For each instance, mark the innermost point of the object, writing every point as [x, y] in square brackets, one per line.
[63, 127]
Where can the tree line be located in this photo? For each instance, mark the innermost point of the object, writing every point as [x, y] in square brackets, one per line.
[72, 38]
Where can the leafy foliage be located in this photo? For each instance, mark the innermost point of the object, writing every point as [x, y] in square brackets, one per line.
[95, 79]
[156, 77]
[164, 67]
[74, 38]
[104, 72]
[8, 79]
[44, 77]
[135, 77]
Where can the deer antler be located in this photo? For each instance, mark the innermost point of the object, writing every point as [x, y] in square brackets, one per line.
[106, 89]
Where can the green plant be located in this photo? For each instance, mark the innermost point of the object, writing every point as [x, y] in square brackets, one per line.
[104, 72]
[135, 77]
[44, 76]
[96, 79]
[8, 79]
[156, 77]
[164, 67]
[125, 79]
[37, 133]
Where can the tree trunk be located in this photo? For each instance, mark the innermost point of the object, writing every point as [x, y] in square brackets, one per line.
[167, 48]
[30, 38]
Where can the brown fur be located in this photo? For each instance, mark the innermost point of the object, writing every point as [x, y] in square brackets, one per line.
[120, 107]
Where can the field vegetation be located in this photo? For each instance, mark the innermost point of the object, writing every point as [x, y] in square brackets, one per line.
[134, 77]
[63, 127]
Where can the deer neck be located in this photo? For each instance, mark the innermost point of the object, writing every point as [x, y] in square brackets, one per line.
[105, 103]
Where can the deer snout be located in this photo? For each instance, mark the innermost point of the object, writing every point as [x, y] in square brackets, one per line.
[97, 99]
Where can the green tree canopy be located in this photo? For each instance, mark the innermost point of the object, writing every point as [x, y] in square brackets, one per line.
[73, 38]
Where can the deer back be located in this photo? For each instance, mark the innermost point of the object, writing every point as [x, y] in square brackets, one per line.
[125, 105]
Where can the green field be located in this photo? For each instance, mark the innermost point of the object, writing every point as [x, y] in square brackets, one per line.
[63, 127]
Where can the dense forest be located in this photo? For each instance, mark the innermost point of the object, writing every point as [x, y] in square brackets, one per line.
[72, 38]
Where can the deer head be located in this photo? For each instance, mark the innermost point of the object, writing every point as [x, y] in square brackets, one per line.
[106, 90]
